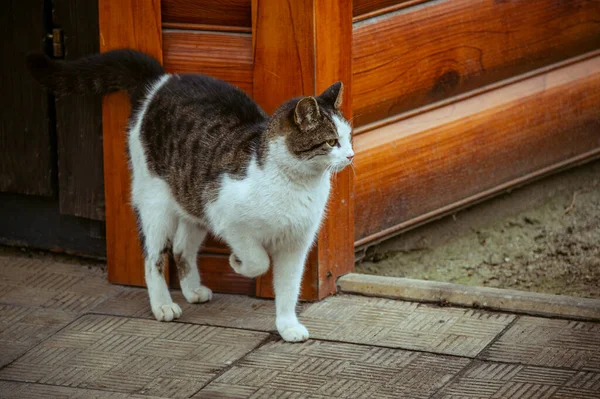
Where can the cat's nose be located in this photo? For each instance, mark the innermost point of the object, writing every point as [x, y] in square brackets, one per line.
[350, 157]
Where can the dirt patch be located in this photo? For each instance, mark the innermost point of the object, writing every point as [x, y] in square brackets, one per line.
[544, 237]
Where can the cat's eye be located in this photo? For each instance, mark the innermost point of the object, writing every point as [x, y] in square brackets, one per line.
[332, 143]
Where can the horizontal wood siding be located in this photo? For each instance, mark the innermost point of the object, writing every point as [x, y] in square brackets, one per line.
[370, 8]
[235, 14]
[226, 56]
[207, 14]
[439, 49]
[421, 167]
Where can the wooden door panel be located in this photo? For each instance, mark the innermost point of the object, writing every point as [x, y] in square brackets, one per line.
[222, 55]
[79, 119]
[218, 275]
[225, 56]
[133, 24]
[230, 15]
[305, 60]
[27, 163]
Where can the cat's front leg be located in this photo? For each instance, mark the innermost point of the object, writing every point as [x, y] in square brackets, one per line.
[288, 266]
[249, 258]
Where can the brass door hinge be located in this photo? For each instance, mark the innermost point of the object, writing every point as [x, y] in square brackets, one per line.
[58, 49]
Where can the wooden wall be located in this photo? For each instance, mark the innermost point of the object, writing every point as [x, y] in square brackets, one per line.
[439, 50]
[457, 100]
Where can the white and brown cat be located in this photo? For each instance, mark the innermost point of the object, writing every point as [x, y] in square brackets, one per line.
[206, 158]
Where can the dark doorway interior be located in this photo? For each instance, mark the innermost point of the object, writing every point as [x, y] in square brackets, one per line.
[51, 170]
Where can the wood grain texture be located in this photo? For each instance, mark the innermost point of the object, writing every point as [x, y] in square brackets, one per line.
[218, 13]
[425, 54]
[424, 166]
[284, 62]
[304, 61]
[364, 9]
[27, 164]
[333, 25]
[79, 119]
[135, 24]
[284, 67]
[216, 273]
[222, 55]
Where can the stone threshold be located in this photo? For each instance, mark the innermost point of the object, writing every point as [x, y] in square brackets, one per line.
[470, 296]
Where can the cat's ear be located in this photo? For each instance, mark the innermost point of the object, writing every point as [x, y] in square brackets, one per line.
[306, 114]
[334, 95]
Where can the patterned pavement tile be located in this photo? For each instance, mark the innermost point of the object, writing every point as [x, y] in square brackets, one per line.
[54, 285]
[21, 328]
[513, 381]
[128, 301]
[320, 369]
[549, 342]
[405, 325]
[223, 310]
[133, 356]
[19, 390]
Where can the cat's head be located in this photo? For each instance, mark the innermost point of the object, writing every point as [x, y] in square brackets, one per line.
[315, 132]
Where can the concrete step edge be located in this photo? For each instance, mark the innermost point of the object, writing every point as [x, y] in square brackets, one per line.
[470, 296]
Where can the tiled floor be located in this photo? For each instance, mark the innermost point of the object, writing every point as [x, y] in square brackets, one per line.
[65, 332]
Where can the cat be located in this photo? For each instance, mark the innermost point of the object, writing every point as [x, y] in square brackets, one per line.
[206, 158]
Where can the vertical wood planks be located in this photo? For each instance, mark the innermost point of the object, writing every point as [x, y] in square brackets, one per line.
[284, 64]
[300, 48]
[283, 40]
[79, 119]
[26, 142]
[333, 31]
[135, 24]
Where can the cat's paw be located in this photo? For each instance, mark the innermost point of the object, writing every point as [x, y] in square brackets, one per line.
[247, 270]
[294, 333]
[166, 312]
[198, 295]
[235, 263]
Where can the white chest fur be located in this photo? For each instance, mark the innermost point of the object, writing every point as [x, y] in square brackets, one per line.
[270, 205]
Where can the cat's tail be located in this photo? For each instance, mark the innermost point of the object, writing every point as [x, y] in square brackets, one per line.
[99, 74]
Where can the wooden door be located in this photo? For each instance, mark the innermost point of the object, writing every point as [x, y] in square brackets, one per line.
[247, 44]
[51, 182]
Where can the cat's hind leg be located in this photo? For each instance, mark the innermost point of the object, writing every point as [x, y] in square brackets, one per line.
[158, 224]
[188, 239]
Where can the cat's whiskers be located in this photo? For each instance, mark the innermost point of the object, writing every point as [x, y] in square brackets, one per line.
[352, 167]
